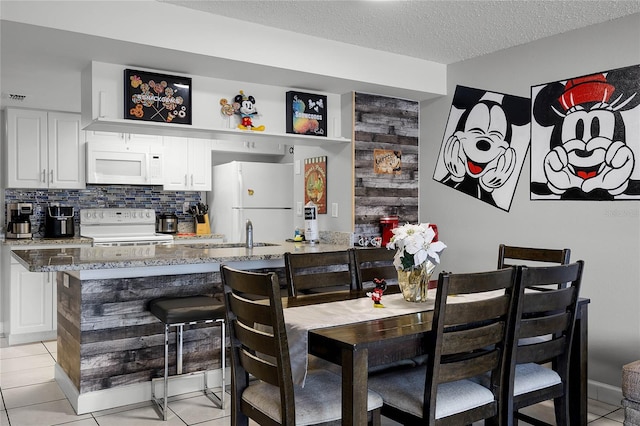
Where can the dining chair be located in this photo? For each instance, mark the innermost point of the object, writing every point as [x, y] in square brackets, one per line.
[259, 348]
[373, 263]
[538, 369]
[471, 320]
[319, 272]
[511, 255]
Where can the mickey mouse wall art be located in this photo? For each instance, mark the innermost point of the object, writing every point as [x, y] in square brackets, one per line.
[585, 137]
[484, 145]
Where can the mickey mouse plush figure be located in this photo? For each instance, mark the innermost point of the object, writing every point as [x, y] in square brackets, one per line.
[246, 107]
[376, 294]
[588, 157]
[478, 156]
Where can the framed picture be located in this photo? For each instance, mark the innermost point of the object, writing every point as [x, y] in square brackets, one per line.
[306, 114]
[585, 137]
[484, 145]
[315, 182]
[156, 97]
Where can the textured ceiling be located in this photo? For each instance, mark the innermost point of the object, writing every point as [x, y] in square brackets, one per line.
[442, 31]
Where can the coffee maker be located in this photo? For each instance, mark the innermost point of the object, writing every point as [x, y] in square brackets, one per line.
[19, 225]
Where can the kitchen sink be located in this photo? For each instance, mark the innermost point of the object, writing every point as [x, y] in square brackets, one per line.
[228, 245]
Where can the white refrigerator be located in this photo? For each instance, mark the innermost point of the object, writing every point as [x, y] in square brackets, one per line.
[260, 192]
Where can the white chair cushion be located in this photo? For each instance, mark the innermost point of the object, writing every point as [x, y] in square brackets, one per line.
[319, 401]
[531, 377]
[404, 390]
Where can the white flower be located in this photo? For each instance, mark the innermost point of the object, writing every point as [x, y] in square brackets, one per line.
[415, 246]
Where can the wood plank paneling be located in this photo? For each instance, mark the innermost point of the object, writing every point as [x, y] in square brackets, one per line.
[392, 124]
[108, 338]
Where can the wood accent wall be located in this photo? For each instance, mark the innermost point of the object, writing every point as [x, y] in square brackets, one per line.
[392, 124]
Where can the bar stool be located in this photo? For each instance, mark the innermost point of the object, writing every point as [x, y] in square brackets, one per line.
[180, 311]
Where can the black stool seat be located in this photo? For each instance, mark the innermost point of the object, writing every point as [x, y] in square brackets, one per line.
[175, 310]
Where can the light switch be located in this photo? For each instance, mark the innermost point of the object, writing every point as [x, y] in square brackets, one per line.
[334, 209]
[299, 208]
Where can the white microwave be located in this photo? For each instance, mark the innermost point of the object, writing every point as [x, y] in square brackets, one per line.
[130, 163]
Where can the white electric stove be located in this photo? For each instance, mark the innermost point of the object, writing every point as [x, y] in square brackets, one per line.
[121, 227]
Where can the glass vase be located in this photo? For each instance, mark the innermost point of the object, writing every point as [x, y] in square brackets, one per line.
[414, 282]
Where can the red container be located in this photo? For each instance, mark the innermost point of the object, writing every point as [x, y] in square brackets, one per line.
[386, 225]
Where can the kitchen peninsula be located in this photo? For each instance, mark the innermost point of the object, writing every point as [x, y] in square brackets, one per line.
[109, 345]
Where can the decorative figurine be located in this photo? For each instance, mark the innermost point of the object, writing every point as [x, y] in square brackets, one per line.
[376, 294]
[246, 107]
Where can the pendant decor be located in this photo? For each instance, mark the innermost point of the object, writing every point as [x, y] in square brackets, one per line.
[417, 254]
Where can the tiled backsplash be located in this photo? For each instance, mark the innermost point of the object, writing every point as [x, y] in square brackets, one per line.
[94, 196]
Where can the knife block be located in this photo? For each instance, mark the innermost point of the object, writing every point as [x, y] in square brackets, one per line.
[202, 224]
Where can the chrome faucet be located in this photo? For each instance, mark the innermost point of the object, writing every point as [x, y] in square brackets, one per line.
[249, 234]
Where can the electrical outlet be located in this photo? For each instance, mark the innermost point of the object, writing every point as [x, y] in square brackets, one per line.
[334, 209]
[185, 207]
[299, 208]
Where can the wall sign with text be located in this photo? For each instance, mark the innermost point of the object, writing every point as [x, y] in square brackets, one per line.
[157, 97]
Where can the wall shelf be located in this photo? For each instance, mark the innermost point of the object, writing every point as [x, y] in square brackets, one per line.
[166, 129]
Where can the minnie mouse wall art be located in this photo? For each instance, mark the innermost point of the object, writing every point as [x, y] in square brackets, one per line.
[585, 137]
[484, 145]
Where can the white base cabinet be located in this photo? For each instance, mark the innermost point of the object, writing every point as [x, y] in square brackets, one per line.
[33, 313]
[29, 299]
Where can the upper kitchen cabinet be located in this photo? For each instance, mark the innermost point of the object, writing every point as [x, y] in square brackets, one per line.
[103, 110]
[249, 147]
[187, 164]
[44, 149]
[114, 137]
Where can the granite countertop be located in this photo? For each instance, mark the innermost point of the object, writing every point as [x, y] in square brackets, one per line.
[46, 241]
[194, 236]
[82, 240]
[92, 258]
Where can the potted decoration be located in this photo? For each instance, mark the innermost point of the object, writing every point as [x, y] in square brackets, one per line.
[417, 255]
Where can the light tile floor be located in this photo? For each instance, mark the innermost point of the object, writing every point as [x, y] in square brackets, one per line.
[29, 396]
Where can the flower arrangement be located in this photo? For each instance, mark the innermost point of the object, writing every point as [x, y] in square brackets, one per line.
[415, 246]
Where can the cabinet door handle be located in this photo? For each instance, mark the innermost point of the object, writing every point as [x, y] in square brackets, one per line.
[191, 180]
[51, 176]
[186, 180]
[44, 176]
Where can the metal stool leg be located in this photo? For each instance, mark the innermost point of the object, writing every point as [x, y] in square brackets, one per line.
[223, 346]
[179, 349]
[166, 370]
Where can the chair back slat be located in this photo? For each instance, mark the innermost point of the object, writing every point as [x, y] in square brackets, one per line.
[373, 263]
[249, 311]
[542, 351]
[319, 272]
[550, 324]
[259, 367]
[462, 313]
[530, 254]
[475, 366]
[547, 301]
[259, 341]
[467, 340]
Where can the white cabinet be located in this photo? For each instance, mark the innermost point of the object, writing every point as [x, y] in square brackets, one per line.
[32, 301]
[29, 299]
[44, 149]
[187, 164]
[115, 137]
[249, 147]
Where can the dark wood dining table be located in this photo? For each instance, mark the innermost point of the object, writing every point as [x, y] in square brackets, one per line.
[360, 346]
